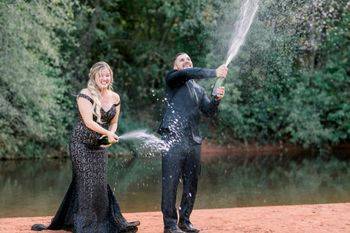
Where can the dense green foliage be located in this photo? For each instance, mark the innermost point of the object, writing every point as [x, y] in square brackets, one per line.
[33, 108]
[290, 81]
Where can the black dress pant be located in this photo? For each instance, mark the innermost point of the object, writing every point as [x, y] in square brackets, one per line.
[182, 160]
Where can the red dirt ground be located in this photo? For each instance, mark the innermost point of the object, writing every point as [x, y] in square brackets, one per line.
[323, 218]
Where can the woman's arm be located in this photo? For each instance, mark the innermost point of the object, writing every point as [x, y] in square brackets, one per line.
[114, 122]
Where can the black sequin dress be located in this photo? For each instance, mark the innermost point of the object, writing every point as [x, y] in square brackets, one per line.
[89, 205]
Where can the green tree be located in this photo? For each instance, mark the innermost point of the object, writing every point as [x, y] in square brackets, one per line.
[33, 105]
[291, 76]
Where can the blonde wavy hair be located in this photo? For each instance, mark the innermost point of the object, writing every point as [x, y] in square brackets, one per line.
[93, 88]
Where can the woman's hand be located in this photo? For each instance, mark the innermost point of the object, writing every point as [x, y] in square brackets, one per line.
[112, 137]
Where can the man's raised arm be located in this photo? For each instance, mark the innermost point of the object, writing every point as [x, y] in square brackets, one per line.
[177, 78]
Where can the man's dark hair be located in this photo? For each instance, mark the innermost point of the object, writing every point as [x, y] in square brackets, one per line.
[178, 54]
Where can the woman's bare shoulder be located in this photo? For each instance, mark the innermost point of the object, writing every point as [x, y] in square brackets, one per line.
[116, 96]
[85, 91]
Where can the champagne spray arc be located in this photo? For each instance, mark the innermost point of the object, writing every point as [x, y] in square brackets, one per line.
[246, 16]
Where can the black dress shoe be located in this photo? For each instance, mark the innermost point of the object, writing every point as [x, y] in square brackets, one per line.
[188, 227]
[133, 224]
[130, 227]
[174, 229]
[38, 227]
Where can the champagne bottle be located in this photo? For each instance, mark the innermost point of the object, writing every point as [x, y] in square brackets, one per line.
[103, 140]
[219, 83]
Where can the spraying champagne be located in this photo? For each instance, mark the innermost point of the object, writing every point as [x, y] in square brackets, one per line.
[245, 19]
[242, 26]
[149, 142]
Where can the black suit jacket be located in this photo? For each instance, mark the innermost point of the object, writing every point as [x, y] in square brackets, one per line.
[185, 99]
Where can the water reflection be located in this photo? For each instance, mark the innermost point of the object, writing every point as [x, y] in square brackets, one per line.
[36, 188]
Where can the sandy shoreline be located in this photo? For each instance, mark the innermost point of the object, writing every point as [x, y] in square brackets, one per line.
[293, 218]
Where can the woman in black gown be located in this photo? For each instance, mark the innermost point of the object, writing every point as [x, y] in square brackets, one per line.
[89, 205]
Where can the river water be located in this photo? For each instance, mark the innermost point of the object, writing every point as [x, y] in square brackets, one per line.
[36, 188]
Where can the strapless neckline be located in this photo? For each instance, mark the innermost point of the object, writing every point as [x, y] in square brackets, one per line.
[106, 111]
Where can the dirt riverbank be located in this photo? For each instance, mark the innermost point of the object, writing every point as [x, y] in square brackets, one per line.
[320, 218]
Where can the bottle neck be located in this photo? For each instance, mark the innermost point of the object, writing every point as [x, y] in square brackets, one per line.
[219, 83]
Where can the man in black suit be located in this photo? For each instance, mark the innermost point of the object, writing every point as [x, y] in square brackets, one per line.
[185, 99]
